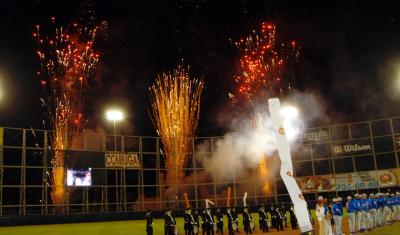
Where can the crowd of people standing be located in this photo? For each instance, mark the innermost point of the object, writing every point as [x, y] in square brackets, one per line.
[364, 212]
[210, 222]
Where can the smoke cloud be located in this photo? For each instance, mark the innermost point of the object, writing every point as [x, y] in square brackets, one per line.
[251, 137]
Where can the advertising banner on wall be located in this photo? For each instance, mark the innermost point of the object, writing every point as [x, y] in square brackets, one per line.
[388, 178]
[352, 147]
[122, 160]
[356, 180]
[350, 181]
[314, 135]
[317, 183]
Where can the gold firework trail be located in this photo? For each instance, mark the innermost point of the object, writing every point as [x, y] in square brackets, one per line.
[175, 102]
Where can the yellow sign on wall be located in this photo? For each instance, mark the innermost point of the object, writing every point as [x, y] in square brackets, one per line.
[122, 160]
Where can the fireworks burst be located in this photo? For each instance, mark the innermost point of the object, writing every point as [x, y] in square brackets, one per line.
[264, 72]
[67, 68]
[263, 64]
[175, 105]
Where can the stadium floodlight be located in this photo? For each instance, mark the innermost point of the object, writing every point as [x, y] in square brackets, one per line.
[289, 112]
[290, 116]
[115, 115]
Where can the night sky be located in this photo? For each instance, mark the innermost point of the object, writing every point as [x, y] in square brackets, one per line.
[350, 56]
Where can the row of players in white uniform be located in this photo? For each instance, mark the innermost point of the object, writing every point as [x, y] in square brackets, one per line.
[364, 213]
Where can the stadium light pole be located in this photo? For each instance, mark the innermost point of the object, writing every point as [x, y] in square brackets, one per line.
[114, 116]
[1, 90]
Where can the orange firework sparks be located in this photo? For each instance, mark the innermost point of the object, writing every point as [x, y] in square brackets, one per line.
[262, 63]
[67, 66]
[175, 101]
[263, 173]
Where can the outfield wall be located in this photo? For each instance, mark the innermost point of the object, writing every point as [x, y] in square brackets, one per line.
[128, 171]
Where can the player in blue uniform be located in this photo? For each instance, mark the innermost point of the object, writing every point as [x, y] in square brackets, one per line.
[364, 206]
[397, 206]
[373, 210]
[381, 209]
[387, 209]
[351, 210]
[357, 201]
[337, 211]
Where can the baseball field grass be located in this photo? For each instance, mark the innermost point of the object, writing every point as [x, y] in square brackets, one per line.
[138, 227]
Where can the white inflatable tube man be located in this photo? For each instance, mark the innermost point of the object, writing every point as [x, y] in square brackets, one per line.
[299, 204]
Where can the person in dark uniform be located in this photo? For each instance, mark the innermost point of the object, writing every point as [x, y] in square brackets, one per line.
[230, 221]
[293, 219]
[283, 213]
[170, 222]
[235, 218]
[273, 217]
[149, 222]
[188, 222]
[165, 222]
[204, 222]
[279, 219]
[209, 222]
[220, 221]
[263, 217]
[196, 221]
[246, 220]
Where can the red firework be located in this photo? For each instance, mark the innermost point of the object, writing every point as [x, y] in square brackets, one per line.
[67, 68]
[263, 64]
